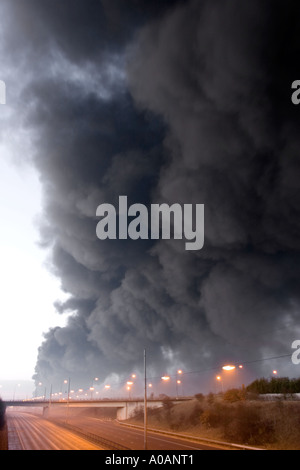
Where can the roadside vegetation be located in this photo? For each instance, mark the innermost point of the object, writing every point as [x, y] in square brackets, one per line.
[3, 428]
[238, 416]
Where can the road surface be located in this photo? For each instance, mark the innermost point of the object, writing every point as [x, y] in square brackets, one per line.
[133, 438]
[28, 431]
[31, 432]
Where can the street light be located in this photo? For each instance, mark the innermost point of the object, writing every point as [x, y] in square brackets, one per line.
[228, 367]
[219, 378]
[178, 381]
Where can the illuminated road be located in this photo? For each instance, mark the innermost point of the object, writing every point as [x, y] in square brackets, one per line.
[133, 438]
[31, 432]
[28, 431]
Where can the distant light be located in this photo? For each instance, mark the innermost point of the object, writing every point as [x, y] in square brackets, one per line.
[133, 376]
[107, 386]
[165, 377]
[240, 366]
[228, 367]
[179, 371]
[129, 383]
[150, 385]
[218, 377]
[275, 372]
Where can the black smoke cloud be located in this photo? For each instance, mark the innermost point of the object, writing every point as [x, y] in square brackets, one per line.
[183, 102]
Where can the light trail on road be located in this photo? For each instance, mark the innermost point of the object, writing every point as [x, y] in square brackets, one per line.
[31, 432]
[133, 438]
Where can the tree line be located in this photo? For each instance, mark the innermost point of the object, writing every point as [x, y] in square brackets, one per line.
[283, 385]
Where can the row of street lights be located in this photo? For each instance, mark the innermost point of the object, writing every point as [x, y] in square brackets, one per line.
[230, 368]
[88, 393]
[85, 393]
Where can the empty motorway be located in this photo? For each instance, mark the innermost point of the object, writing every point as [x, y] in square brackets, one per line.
[29, 431]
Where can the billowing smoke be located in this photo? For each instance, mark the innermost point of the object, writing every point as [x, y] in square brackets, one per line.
[184, 102]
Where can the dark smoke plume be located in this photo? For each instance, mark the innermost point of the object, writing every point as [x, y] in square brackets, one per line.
[170, 102]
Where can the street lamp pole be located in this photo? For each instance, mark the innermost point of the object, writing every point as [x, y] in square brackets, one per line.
[145, 404]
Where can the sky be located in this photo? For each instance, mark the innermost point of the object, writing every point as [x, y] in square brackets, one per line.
[29, 312]
[177, 101]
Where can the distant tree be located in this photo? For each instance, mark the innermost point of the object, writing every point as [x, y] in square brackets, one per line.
[283, 385]
[210, 398]
[259, 386]
[167, 403]
[199, 397]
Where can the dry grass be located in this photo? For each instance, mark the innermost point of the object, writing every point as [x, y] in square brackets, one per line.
[272, 425]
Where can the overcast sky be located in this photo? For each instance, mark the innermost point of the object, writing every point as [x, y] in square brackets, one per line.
[26, 311]
[170, 101]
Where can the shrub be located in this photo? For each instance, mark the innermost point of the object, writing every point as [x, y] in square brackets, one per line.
[235, 394]
[199, 397]
[2, 414]
[249, 426]
[210, 398]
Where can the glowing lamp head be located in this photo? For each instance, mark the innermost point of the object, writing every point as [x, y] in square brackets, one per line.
[229, 367]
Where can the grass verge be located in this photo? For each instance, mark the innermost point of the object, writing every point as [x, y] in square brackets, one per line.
[270, 425]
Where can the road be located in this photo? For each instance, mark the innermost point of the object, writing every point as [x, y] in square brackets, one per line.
[31, 432]
[133, 438]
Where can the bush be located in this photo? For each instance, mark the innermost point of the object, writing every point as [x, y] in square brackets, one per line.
[199, 397]
[218, 415]
[210, 398]
[235, 394]
[2, 414]
[249, 426]
[167, 404]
